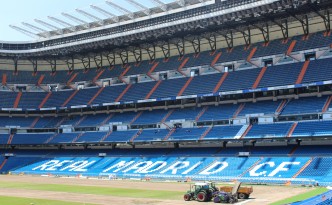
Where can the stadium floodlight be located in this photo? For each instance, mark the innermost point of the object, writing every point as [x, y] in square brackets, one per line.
[105, 13]
[24, 31]
[75, 19]
[121, 9]
[90, 16]
[160, 4]
[144, 9]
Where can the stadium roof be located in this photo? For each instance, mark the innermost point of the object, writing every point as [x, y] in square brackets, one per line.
[96, 17]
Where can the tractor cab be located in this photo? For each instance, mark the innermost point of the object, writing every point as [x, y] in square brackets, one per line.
[201, 191]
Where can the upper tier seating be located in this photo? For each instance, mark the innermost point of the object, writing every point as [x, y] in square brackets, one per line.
[274, 47]
[187, 134]
[220, 132]
[169, 88]
[204, 58]
[58, 98]
[31, 101]
[31, 138]
[269, 130]
[279, 75]
[315, 40]
[7, 99]
[173, 63]
[312, 129]
[220, 112]
[151, 117]
[138, 91]
[152, 135]
[238, 53]
[240, 80]
[305, 105]
[202, 84]
[318, 70]
[260, 107]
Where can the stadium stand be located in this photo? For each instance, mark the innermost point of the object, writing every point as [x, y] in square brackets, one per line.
[203, 106]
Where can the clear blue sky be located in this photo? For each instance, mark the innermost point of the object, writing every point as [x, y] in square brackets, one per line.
[16, 11]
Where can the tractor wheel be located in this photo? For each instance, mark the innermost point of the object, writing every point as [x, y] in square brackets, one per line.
[242, 196]
[187, 197]
[201, 197]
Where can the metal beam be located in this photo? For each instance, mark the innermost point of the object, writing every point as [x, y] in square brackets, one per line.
[48, 25]
[137, 52]
[70, 64]
[265, 32]
[90, 16]
[181, 3]
[53, 64]
[121, 9]
[160, 4]
[166, 49]
[105, 13]
[98, 59]
[24, 31]
[229, 39]
[86, 63]
[151, 50]
[304, 22]
[124, 57]
[246, 36]
[212, 39]
[62, 22]
[75, 19]
[196, 43]
[34, 63]
[111, 59]
[36, 28]
[144, 9]
[180, 45]
[15, 59]
[326, 19]
[284, 28]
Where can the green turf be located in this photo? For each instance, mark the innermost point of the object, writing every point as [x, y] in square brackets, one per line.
[121, 192]
[28, 201]
[301, 197]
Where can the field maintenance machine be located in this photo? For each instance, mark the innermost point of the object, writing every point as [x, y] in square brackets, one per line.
[206, 191]
[227, 197]
[243, 192]
[202, 192]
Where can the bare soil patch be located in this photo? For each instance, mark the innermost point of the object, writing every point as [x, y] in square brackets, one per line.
[262, 195]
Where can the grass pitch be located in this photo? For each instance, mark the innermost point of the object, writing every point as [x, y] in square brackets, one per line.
[301, 197]
[116, 192]
[108, 191]
[27, 201]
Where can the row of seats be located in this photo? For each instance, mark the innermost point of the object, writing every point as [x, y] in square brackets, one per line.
[273, 169]
[278, 75]
[274, 47]
[258, 131]
[307, 105]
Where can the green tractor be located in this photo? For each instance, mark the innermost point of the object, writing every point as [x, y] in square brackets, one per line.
[201, 192]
